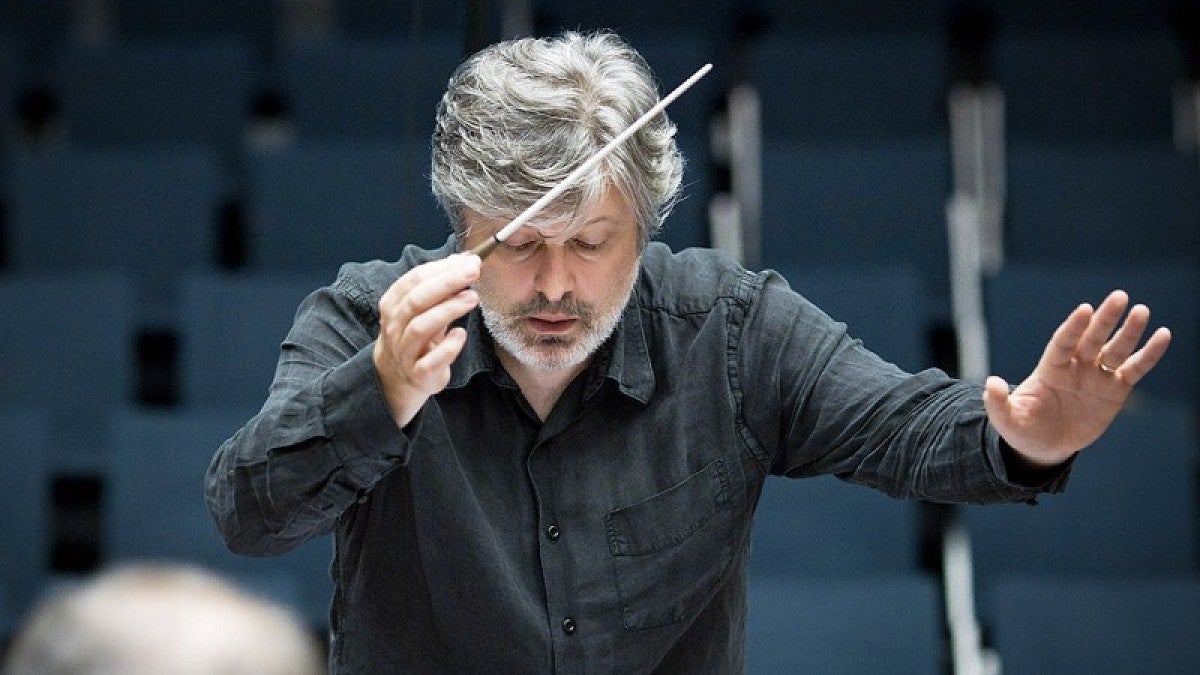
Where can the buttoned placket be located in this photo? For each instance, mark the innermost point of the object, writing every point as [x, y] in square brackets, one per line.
[564, 625]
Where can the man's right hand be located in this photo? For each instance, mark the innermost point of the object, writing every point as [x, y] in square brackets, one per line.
[416, 344]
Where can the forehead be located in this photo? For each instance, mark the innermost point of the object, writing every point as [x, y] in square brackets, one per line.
[611, 210]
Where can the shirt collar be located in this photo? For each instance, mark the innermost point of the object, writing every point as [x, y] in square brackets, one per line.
[624, 358]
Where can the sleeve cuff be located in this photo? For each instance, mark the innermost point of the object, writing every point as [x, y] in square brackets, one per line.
[1019, 474]
[357, 417]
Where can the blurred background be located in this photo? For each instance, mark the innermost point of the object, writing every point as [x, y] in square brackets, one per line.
[948, 177]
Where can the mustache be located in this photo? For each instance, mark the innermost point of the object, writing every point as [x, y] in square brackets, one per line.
[540, 304]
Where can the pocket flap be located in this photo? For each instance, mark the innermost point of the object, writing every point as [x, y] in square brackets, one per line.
[671, 516]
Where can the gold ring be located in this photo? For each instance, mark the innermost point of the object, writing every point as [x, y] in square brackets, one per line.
[1104, 367]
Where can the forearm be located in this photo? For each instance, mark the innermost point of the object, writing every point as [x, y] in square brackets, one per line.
[946, 451]
[922, 436]
[824, 404]
[294, 468]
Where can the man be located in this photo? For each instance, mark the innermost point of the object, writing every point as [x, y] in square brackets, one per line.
[161, 620]
[548, 461]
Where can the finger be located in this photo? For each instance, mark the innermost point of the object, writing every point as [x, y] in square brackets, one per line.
[1143, 360]
[425, 331]
[441, 286]
[1064, 344]
[420, 273]
[427, 285]
[432, 371]
[1127, 337]
[1103, 322]
[995, 399]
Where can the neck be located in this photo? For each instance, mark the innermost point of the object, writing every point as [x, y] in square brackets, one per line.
[541, 388]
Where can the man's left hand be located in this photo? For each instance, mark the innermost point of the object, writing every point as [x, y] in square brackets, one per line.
[1080, 384]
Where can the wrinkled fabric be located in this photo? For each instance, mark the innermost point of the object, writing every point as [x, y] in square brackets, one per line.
[612, 538]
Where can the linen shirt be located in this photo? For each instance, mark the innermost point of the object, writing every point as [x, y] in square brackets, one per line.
[613, 536]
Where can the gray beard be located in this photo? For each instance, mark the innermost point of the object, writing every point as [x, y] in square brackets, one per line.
[552, 352]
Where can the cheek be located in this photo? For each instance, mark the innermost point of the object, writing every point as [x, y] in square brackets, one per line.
[499, 288]
[611, 286]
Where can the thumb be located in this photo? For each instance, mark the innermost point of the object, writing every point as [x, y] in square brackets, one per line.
[995, 399]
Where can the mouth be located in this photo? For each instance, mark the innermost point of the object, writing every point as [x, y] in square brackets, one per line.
[552, 324]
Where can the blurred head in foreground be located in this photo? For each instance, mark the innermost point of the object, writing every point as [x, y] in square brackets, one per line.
[160, 620]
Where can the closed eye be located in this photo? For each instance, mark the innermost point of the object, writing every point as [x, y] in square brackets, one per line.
[585, 245]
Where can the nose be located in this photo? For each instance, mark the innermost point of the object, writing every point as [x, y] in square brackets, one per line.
[554, 279]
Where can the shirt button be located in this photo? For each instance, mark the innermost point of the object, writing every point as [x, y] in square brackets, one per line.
[568, 625]
[553, 532]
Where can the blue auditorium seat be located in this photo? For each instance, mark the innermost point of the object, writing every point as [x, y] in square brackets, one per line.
[25, 502]
[148, 213]
[316, 206]
[1096, 85]
[378, 18]
[385, 88]
[856, 205]
[1047, 625]
[673, 56]
[877, 625]
[154, 508]
[1102, 204]
[1026, 302]
[863, 17]
[851, 86]
[627, 16]
[45, 25]
[231, 330]
[1129, 509]
[824, 527]
[160, 92]
[12, 74]
[67, 343]
[875, 302]
[250, 20]
[1083, 14]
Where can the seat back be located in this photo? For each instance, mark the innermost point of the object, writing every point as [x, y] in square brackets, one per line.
[869, 626]
[26, 504]
[67, 343]
[232, 328]
[316, 206]
[154, 508]
[1047, 624]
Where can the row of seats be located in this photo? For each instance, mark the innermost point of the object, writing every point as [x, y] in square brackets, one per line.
[1102, 579]
[862, 16]
[134, 19]
[153, 507]
[854, 203]
[311, 207]
[1061, 85]
[332, 89]
[833, 581]
[265, 24]
[305, 209]
[1040, 625]
[70, 338]
[1130, 511]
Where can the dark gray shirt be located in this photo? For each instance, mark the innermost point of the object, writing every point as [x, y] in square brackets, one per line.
[612, 538]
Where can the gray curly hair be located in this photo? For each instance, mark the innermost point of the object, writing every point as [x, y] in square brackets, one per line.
[518, 116]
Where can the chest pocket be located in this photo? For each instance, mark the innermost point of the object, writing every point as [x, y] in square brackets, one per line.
[670, 550]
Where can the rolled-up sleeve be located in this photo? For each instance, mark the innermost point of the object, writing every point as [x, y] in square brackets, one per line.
[324, 437]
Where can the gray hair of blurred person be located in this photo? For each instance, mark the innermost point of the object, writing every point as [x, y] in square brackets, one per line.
[518, 116]
[161, 620]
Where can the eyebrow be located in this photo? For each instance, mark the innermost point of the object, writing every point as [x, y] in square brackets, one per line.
[576, 229]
